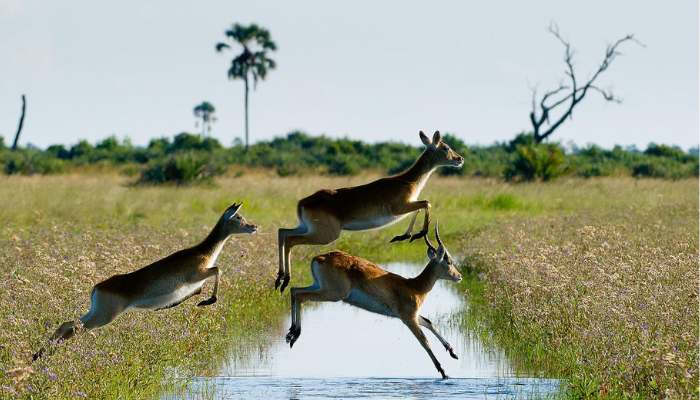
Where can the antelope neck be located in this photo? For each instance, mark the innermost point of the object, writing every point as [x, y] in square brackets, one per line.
[424, 282]
[212, 244]
[420, 170]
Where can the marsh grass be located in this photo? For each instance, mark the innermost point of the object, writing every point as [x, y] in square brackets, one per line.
[606, 298]
[59, 235]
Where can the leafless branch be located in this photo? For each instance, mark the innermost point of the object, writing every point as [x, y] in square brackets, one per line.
[541, 111]
[21, 123]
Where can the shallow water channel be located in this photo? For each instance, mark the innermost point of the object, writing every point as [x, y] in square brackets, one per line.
[345, 352]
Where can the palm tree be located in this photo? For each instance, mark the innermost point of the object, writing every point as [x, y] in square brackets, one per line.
[205, 111]
[253, 62]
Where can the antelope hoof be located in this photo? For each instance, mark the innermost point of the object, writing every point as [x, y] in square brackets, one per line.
[400, 238]
[452, 353]
[293, 335]
[37, 355]
[285, 282]
[418, 235]
[207, 302]
[278, 281]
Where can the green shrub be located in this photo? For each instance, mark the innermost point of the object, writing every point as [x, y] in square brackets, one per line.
[590, 168]
[522, 139]
[187, 142]
[111, 149]
[30, 162]
[662, 150]
[536, 161]
[58, 151]
[299, 153]
[344, 166]
[664, 168]
[83, 149]
[181, 169]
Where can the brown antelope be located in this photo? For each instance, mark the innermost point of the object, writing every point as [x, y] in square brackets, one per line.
[163, 284]
[324, 214]
[339, 276]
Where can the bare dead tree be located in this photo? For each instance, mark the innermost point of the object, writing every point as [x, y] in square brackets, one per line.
[21, 122]
[570, 95]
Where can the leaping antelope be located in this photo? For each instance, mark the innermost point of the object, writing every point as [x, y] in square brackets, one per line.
[163, 284]
[324, 214]
[361, 283]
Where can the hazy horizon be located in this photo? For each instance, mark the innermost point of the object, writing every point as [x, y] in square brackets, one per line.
[366, 71]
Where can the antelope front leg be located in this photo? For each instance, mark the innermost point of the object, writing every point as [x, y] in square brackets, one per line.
[407, 234]
[424, 204]
[214, 271]
[425, 322]
[426, 222]
[415, 329]
[295, 328]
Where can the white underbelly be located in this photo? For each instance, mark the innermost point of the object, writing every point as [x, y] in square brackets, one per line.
[360, 299]
[167, 299]
[363, 224]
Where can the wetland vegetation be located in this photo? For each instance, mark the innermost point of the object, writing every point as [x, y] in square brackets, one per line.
[592, 281]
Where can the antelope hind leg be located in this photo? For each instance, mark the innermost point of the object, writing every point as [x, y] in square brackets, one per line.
[284, 250]
[323, 231]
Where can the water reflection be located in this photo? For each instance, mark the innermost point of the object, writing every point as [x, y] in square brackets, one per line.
[374, 388]
[345, 352]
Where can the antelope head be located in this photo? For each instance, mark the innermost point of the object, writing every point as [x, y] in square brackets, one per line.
[439, 153]
[233, 222]
[441, 260]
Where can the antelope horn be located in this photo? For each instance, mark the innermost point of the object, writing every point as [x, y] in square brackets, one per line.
[437, 235]
[430, 245]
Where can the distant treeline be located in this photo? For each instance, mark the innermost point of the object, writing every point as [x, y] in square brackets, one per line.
[188, 157]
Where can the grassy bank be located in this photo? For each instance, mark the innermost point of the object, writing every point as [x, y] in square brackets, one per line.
[59, 235]
[606, 297]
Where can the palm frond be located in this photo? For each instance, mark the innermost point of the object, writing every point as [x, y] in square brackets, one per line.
[221, 46]
[253, 61]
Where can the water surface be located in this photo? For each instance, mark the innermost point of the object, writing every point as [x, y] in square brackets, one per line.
[345, 352]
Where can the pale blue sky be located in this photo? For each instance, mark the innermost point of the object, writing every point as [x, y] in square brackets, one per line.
[364, 69]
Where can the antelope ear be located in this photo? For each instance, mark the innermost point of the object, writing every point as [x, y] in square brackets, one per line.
[431, 253]
[423, 138]
[231, 211]
[437, 138]
[440, 253]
